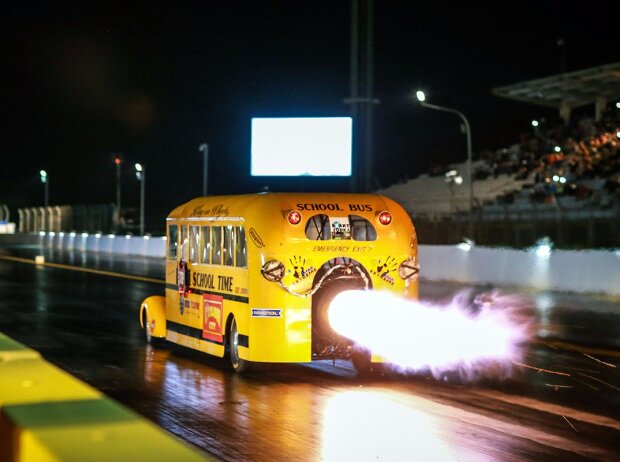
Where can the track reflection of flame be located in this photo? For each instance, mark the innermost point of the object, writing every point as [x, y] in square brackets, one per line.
[418, 335]
[372, 425]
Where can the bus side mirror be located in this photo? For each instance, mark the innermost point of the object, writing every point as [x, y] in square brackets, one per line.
[273, 271]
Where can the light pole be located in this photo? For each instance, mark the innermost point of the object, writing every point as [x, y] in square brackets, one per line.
[422, 99]
[535, 125]
[204, 148]
[453, 178]
[117, 162]
[46, 181]
[141, 176]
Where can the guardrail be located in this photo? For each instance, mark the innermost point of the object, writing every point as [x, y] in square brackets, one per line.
[108, 243]
[7, 227]
[48, 415]
[539, 267]
[57, 218]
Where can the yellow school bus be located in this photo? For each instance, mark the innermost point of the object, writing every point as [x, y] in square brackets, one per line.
[251, 276]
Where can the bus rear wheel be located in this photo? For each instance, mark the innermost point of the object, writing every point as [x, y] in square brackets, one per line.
[238, 364]
[360, 357]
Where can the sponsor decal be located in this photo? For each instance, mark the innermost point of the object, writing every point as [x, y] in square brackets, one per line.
[341, 229]
[266, 313]
[258, 242]
[213, 316]
[181, 271]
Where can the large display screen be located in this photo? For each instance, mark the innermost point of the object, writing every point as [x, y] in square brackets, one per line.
[301, 146]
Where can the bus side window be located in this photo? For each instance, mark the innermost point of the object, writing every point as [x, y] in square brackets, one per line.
[184, 243]
[228, 245]
[194, 243]
[205, 235]
[362, 229]
[241, 247]
[173, 241]
[216, 241]
[318, 228]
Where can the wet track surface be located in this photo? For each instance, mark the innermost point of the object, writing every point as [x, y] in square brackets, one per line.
[563, 403]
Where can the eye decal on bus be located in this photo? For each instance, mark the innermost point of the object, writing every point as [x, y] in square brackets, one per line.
[273, 270]
[409, 269]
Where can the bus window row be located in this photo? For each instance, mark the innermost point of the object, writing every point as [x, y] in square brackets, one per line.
[208, 245]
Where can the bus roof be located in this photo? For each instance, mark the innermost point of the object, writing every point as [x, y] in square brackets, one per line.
[249, 205]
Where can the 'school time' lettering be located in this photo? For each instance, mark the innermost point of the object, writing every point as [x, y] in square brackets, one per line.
[208, 281]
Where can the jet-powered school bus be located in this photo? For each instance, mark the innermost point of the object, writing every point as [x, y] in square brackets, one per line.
[251, 276]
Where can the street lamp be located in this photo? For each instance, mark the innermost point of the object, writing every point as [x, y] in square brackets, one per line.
[46, 181]
[204, 148]
[421, 97]
[141, 176]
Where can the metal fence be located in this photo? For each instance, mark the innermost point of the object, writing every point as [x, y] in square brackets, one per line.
[4, 213]
[65, 218]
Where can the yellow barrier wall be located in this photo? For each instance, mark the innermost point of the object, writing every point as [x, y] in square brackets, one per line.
[48, 415]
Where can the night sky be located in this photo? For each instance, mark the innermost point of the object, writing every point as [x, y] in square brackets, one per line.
[84, 80]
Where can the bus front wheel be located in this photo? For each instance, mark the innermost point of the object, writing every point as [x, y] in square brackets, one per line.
[238, 364]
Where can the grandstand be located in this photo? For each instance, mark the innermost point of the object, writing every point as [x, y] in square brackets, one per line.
[435, 197]
[562, 180]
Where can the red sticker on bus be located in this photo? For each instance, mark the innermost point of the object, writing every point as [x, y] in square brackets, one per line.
[213, 313]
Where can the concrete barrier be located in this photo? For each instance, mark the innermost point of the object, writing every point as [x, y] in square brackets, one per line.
[7, 228]
[47, 415]
[108, 243]
[587, 271]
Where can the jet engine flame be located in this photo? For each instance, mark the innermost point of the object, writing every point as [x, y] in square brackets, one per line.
[417, 336]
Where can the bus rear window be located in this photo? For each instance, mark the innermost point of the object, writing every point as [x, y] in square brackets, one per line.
[173, 241]
[324, 228]
[362, 229]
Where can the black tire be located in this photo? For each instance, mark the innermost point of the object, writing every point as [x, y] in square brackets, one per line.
[239, 365]
[360, 357]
